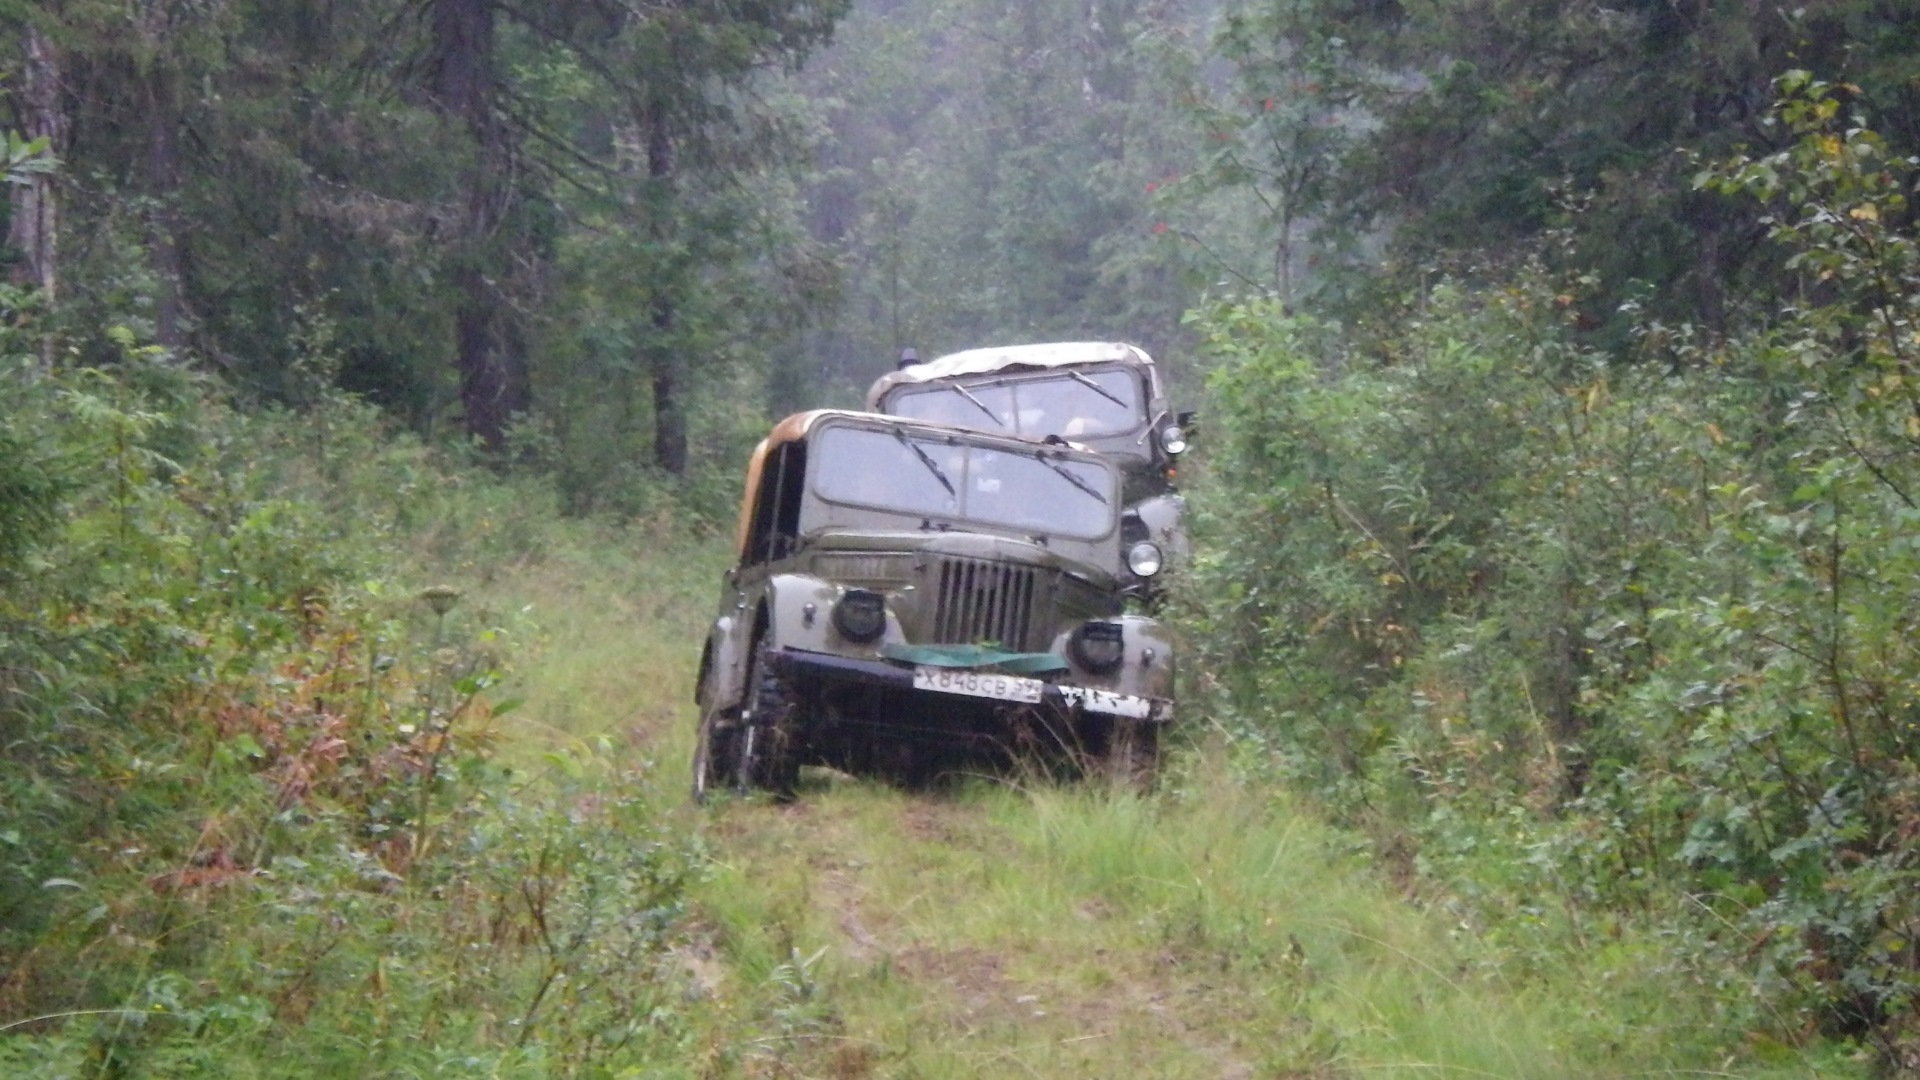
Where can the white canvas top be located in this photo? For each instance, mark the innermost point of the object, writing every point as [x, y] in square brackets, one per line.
[1001, 358]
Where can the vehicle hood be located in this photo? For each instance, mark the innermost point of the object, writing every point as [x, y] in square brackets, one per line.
[964, 545]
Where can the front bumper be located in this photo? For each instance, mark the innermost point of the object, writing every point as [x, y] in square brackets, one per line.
[892, 675]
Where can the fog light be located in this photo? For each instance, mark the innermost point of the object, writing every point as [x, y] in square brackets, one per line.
[1097, 646]
[861, 615]
[1144, 558]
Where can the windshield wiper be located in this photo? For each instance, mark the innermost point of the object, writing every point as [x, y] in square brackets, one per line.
[977, 403]
[1069, 477]
[927, 460]
[1098, 389]
[1151, 426]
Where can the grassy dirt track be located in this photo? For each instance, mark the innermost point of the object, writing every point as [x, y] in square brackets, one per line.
[1063, 932]
[993, 928]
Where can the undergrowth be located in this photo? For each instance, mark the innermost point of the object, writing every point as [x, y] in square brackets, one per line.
[268, 806]
[1586, 641]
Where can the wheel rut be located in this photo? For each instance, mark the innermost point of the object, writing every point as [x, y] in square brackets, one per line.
[948, 936]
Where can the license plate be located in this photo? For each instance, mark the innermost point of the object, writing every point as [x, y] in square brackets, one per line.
[982, 684]
[1106, 701]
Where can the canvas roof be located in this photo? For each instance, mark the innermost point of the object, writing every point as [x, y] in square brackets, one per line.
[1036, 357]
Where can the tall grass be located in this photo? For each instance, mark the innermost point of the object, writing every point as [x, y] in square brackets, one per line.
[1217, 928]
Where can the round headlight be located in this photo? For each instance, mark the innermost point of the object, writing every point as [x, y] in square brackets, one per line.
[1144, 559]
[1097, 646]
[1173, 439]
[861, 615]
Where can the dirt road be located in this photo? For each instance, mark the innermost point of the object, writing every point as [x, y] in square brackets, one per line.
[956, 945]
[1204, 931]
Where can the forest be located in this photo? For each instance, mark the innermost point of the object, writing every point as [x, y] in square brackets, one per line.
[375, 382]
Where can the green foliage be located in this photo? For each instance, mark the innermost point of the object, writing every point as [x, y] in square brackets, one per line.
[30, 490]
[1635, 636]
[604, 214]
[1838, 200]
[541, 945]
[1302, 104]
[1456, 137]
[25, 158]
[251, 817]
[1828, 813]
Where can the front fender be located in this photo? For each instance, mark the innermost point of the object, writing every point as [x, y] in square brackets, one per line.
[723, 663]
[1148, 667]
[797, 607]
[779, 615]
[1165, 519]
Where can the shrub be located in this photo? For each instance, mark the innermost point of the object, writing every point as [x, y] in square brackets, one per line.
[1637, 631]
[250, 817]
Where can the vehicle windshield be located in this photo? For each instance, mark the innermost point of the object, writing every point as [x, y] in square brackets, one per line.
[1066, 402]
[1032, 491]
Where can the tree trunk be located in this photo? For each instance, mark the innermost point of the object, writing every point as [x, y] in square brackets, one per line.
[34, 226]
[463, 42]
[669, 414]
[665, 359]
[1711, 270]
[163, 223]
[494, 383]
[493, 376]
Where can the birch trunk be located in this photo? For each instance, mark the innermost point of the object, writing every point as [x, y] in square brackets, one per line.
[34, 229]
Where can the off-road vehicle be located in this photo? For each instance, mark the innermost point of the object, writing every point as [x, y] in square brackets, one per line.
[1106, 396]
[912, 596]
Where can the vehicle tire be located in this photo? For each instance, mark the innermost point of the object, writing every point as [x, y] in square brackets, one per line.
[766, 752]
[714, 750]
[1133, 755]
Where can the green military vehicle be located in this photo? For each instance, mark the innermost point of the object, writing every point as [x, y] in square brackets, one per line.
[911, 597]
[1106, 396]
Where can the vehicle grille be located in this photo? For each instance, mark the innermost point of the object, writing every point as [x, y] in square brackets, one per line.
[984, 601]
